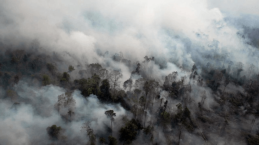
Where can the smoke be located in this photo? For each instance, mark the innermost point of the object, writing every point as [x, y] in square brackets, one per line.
[27, 121]
[176, 33]
[213, 35]
[236, 7]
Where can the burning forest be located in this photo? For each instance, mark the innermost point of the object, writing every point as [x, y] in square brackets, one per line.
[129, 72]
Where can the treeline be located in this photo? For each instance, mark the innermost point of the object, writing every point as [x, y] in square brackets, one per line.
[177, 105]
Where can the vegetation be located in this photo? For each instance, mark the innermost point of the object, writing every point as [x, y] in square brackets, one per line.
[110, 114]
[208, 101]
[54, 132]
[51, 67]
[112, 141]
[252, 140]
[89, 86]
[71, 68]
[129, 132]
[45, 80]
[90, 133]
[65, 77]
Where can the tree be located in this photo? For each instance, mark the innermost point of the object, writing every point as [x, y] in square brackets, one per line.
[51, 68]
[89, 86]
[169, 79]
[96, 68]
[183, 116]
[112, 140]
[54, 132]
[149, 86]
[45, 80]
[37, 63]
[66, 103]
[118, 94]
[137, 92]
[114, 78]
[148, 130]
[165, 105]
[70, 113]
[103, 140]
[16, 56]
[60, 103]
[71, 68]
[161, 101]
[165, 118]
[139, 83]
[145, 116]
[103, 73]
[90, 133]
[142, 101]
[118, 57]
[155, 90]
[129, 132]
[65, 77]
[110, 114]
[147, 59]
[138, 68]
[134, 110]
[69, 100]
[128, 84]
[105, 90]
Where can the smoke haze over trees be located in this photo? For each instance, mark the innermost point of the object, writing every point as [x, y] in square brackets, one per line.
[129, 72]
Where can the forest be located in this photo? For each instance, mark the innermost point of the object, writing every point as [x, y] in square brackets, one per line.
[129, 72]
[93, 106]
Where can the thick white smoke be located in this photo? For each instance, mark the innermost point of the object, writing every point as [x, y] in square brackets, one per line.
[26, 122]
[175, 32]
[179, 34]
